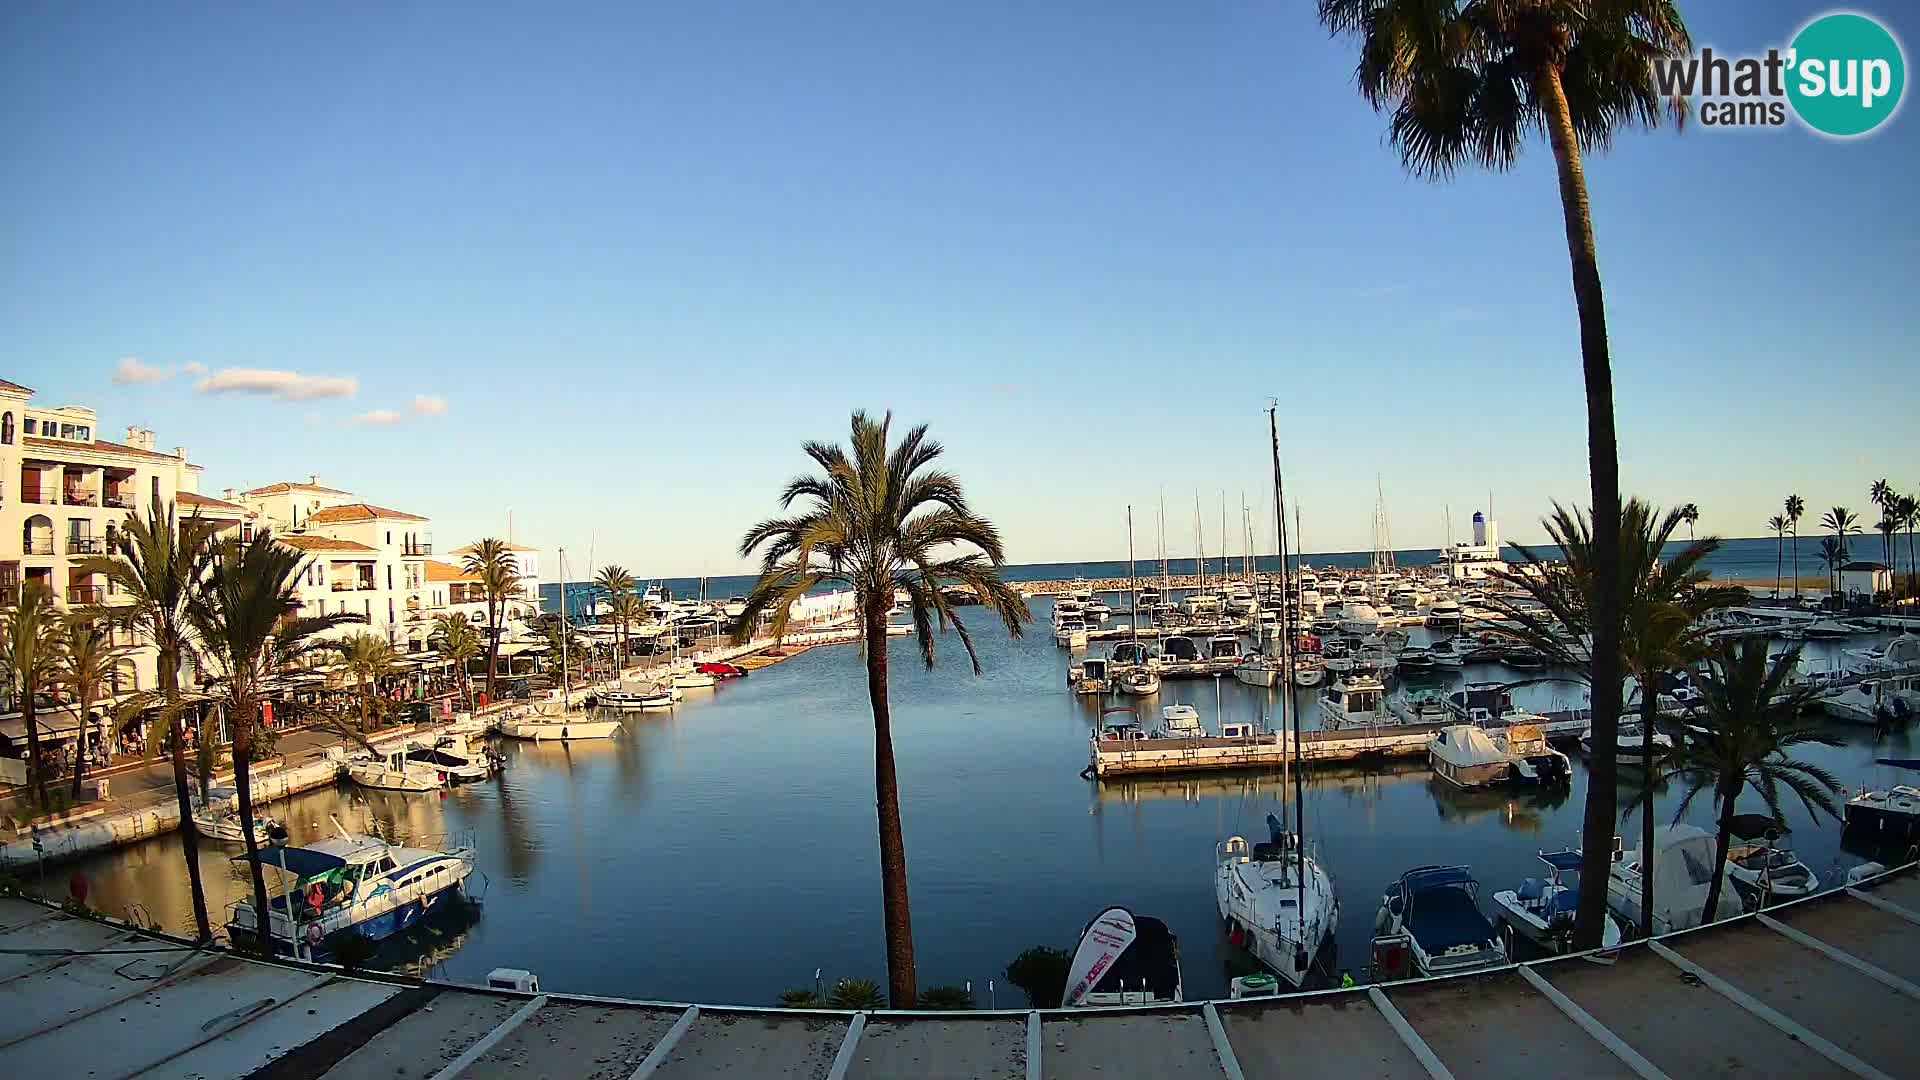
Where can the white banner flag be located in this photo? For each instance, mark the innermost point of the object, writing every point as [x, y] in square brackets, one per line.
[1104, 940]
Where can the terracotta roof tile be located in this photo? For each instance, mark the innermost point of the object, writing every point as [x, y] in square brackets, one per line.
[276, 489]
[15, 387]
[359, 512]
[194, 498]
[439, 571]
[321, 543]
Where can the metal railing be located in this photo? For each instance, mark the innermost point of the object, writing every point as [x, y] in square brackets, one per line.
[38, 547]
[85, 594]
[119, 500]
[85, 545]
[417, 547]
[82, 498]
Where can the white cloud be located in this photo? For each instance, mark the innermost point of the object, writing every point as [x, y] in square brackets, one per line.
[194, 368]
[286, 385]
[379, 418]
[429, 405]
[133, 370]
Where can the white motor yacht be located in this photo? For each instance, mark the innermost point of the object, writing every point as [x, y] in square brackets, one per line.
[1883, 701]
[451, 755]
[1768, 870]
[395, 771]
[1430, 923]
[1308, 670]
[1258, 670]
[1354, 700]
[1278, 900]
[1683, 870]
[638, 695]
[1542, 910]
[1180, 722]
[1630, 747]
[351, 883]
[1467, 757]
[1359, 619]
[1893, 813]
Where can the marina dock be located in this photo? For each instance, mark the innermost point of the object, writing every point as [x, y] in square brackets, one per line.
[1825, 986]
[1134, 756]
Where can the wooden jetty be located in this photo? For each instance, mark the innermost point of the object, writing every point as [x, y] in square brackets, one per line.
[1133, 754]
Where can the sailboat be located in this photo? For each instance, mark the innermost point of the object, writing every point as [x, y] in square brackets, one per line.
[1276, 898]
[558, 720]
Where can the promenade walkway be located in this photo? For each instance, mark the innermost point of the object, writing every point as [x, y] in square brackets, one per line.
[1828, 986]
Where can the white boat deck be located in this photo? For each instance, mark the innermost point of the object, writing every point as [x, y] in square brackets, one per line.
[1823, 987]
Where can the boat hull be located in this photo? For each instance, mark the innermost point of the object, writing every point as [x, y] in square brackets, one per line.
[560, 731]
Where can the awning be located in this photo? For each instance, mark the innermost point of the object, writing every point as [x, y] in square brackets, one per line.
[303, 862]
[59, 724]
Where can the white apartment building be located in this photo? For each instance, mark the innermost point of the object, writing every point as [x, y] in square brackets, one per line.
[63, 494]
[364, 560]
[456, 591]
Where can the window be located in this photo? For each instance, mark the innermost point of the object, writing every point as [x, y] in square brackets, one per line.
[6, 429]
[156, 491]
[32, 424]
[389, 537]
[389, 579]
[366, 609]
[246, 532]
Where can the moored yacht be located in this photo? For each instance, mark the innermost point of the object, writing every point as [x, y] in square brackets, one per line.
[1542, 910]
[555, 721]
[1140, 681]
[1089, 676]
[1180, 722]
[1278, 900]
[1884, 701]
[395, 771]
[1763, 866]
[1258, 670]
[359, 884]
[1467, 757]
[1430, 923]
[453, 756]
[1354, 700]
[1683, 870]
[217, 818]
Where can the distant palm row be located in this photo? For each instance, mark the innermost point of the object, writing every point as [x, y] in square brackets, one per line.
[1897, 512]
[229, 605]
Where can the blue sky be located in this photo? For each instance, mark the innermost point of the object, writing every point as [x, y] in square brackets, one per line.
[640, 253]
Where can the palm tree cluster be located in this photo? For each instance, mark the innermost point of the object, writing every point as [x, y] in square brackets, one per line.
[617, 589]
[491, 561]
[880, 520]
[1898, 513]
[1748, 721]
[228, 606]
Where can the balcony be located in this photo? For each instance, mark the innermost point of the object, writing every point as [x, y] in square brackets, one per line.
[38, 545]
[417, 547]
[81, 498]
[85, 594]
[37, 496]
[86, 545]
[119, 500]
[362, 585]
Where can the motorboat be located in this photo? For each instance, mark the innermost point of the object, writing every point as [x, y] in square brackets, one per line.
[1444, 615]
[1096, 613]
[1831, 630]
[1223, 648]
[1308, 670]
[452, 756]
[396, 771]
[1430, 923]
[1140, 681]
[1357, 619]
[1887, 701]
[1336, 655]
[1124, 959]
[1892, 813]
[1416, 663]
[217, 818]
[1763, 867]
[691, 680]
[1899, 656]
[1129, 654]
[1277, 899]
[359, 884]
[638, 696]
[556, 723]
[1179, 649]
[1354, 700]
[1683, 869]
[1534, 759]
[1420, 707]
[1445, 654]
[1467, 757]
[1089, 676]
[1630, 745]
[1071, 632]
[1258, 670]
[1180, 722]
[1542, 910]
[721, 670]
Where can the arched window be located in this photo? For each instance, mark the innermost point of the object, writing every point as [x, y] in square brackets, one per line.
[6, 428]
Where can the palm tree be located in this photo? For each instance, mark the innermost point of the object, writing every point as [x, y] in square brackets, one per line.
[880, 520]
[1748, 723]
[457, 641]
[1908, 508]
[492, 562]
[1659, 632]
[1882, 495]
[615, 583]
[626, 610]
[1778, 523]
[1833, 555]
[86, 659]
[369, 658]
[158, 563]
[1889, 527]
[1796, 507]
[33, 657]
[1690, 514]
[1467, 84]
[1841, 522]
[246, 617]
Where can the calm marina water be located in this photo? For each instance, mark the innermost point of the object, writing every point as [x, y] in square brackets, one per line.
[723, 852]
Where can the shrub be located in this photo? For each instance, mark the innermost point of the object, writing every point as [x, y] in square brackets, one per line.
[1041, 973]
[856, 994]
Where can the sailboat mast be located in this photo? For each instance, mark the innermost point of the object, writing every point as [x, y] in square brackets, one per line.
[1133, 579]
[566, 684]
[1286, 666]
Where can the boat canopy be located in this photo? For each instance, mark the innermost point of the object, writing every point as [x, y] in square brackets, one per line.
[1423, 878]
[1564, 861]
[1465, 746]
[302, 862]
[1756, 827]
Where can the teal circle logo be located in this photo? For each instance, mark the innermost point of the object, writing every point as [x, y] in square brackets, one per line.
[1846, 74]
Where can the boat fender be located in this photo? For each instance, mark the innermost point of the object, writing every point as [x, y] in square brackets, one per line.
[314, 933]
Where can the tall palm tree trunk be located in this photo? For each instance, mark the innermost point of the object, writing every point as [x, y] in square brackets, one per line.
[1778, 555]
[35, 767]
[242, 721]
[80, 740]
[1729, 791]
[1796, 561]
[1649, 709]
[901, 991]
[1603, 457]
[169, 661]
[493, 644]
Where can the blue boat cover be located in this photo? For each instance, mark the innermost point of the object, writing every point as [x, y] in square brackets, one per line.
[304, 862]
[1562, 861]
[1431, 877]
[1443, 918]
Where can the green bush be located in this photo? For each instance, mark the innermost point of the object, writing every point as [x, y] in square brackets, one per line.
[799, 999]
[949, 998]
[1041, 973]
[856, 994]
